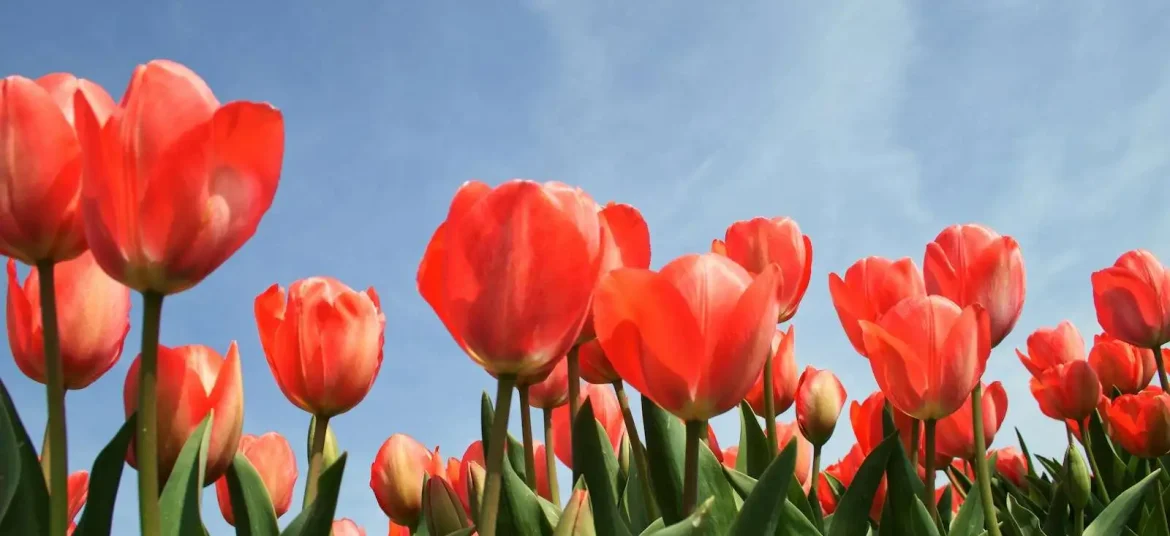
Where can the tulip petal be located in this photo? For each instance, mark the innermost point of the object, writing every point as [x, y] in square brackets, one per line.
[888, 357]
[940, 276]
[631, 237]
[109, 202]
[227, 400]
[22, 338]
[963, 358]
[743, 345]
[849, 311]
[1126, 308]
[999, 271]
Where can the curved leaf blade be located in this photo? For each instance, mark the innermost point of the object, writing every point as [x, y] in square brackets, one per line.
[318, 517]
[181, 499]
[98, 517]
[251, 505]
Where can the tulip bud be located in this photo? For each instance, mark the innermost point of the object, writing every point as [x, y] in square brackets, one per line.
[476, 477]
[396, 477]
[442, 509]
[819, 399]
[331, 452]
[577, 518]
[346, 527]
[1077, 479]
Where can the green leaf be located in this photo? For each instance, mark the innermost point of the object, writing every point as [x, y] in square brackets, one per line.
[908, 516]
[969, 520]
[633, 502]
[852, 515]
[577, 519]
[593, 458]
[802, 504]
[760, 514]
[514, 452]
[740, 483]
[754, 456]
[1056, 522]
[98, 516]
[1053, 468]
[317, 518]
[698, 523]
[521, 512]
[9, 461]
[251, 505]
[28, 509]
[1027, 453]
[1111, 466]
[180, 502]
[946, 506]
[1114, 517]
[1027, 521]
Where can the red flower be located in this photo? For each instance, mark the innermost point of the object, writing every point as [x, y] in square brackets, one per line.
[871, 287]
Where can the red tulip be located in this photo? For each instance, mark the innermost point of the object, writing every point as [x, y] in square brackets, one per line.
[844, 471]
[1102, 409]
[324, 346]
[193, 380]
[759, 242]
[871, 287]
[790, 431]
[627, 245]
[77, 489]
[868, 427]
[1069, 391]
[273, 459]
[971, 264]
[1051, 347]
[174, 183]
[40, 165]
[606, 411]
[473, 455]
[713, 444]
[819, 399]
[1132, 299]
[784, 375]
[511, 272]
[595, 366]
[1011, 464]
[730, 456]
[346, 527]
[927, 354]
[692, 337]
[954, 435]
[1141, 423]
[1122, 366]
[93, 317]
[396, 476]
[718, 247]
[553, 390]
[398, 530]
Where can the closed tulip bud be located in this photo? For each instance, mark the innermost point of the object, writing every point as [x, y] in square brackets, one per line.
[396, 477]
[954, 435]
[442, 509]
[93, 317]
[347, 527]
[1077, 478]
[577, 518]
[1011, 464]
[324, 345]
[273, 458]
[476, 478]
[784, 375]
[871, 287]
[41, 165]
[1132, 299]
[1052, 347]
[1122, 366]
[331, 451]
[595, 366]
[819, 399]
[193, 381]
[550, 391]
[1069, 391]
[1141, 423]
[971, 264]
[756, 243]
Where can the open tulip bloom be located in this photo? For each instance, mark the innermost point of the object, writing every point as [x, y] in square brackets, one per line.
[542, 288]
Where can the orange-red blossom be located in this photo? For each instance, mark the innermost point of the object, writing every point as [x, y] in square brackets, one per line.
[1141, 423]
[759, 242]
[273, 458]
[871, 287]
[1132, 299]
[785, 375]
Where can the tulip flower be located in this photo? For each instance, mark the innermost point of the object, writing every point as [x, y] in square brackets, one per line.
[806, 462]
[1122, 366]
[273, 458]
[1102, 410]
[396, 477]
[595, 366]
[606, 411]
[397, 530]
[759, 242]
[346, 527]
[193, 381]
[713, 444]
[819, 399]
[443, 512]
[1051, 347]
[971, 264]
[927, 354]
[1132, 299]
[1011, 464]
[462, 481]
[627, 245]
[730, 456]
[41, 165]
[551, 391]
[78, 493]
[844, 471]
[866, 419]
[784, 375]
[1068, 391]
[956, 437]
[871, 287]
[1141, 423]
[93, 313]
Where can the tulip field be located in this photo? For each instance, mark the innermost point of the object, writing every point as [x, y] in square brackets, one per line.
[550, 293]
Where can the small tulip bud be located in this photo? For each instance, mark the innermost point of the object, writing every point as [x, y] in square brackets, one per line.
[1077, 477]
[819, 399]
[442, 508]
[577, 519]
[476, 477]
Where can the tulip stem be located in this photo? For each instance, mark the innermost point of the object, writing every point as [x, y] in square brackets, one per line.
[770, 408]
[574, 386]
[982, 472]
[1161, 363]
[1085, 435]
[639, 451]
[695, 431]
[816, 471]
[1078, 521]
[55, 457]
[529, 447]
[550, 461]
[495, 455]
[146, 442]
[915, 431]
[319, 429]
[928, 476]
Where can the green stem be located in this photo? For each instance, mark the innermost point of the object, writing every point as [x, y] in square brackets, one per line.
[1161, 368]
[816, 469]
[982, 472]
[574, 387]
[318, 431]
[146, 442]
[57, 453]
[639, 451]
[770, 408]
[529, 447]
[695, 431]
[490, 509]
[915, 432]
[1078, 521]
[1085, 435]
[928, 477]
[550, 461]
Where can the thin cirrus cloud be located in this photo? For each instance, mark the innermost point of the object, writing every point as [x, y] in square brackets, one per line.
[873, 124]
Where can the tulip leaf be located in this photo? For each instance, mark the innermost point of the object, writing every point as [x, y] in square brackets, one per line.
[1027, 453]
[180, 502]
[317, 518]
[1027, 521]
[1114, 517]
[515, 449]
[798, 499]
[593, 459]
[520, 510]
[1056, 522]
[1110, 464]
[945, 506]
[852, 514]
[633, 502]
[98, 516]
[761, 512]
[969, 520]
[754, 456]
[904, 513]
[28, 509]
[698, 523]
[9, 461]
[577, 519]
[251, 505]
[741, 483]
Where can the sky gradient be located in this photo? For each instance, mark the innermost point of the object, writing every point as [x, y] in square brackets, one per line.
[873, 124]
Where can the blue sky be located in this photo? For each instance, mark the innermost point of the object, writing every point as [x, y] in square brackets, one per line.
[874, 124]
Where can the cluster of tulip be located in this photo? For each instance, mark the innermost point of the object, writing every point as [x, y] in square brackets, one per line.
[543, 288]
